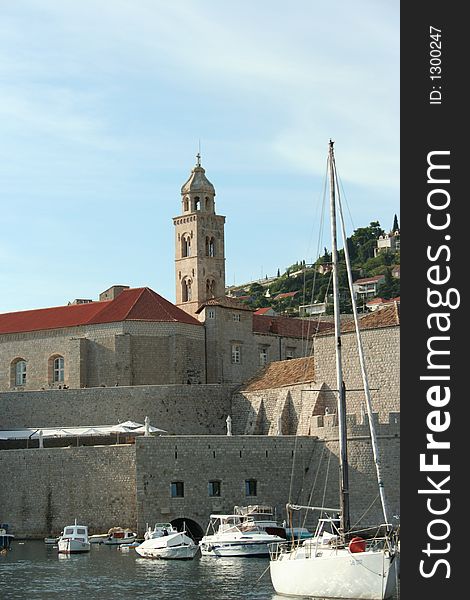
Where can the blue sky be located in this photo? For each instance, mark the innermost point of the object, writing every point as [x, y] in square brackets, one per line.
[102, 106]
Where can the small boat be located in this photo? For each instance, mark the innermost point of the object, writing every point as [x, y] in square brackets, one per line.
[236, 535]
[118, 535]
[6, 537]
[172, 546]
[98, 538]
[74, 539]
[159, 530]
[51, 540]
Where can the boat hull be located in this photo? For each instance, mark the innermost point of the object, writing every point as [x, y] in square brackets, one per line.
[235, 549]
[173, 553]
[113, 541]
[73, 546]
[363, 576]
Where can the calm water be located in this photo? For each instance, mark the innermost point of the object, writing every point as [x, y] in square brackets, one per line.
[34, 570]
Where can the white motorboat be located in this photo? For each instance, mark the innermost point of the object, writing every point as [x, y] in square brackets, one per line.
[236, 535]
[118, 535]
[74, 539]
[339, 564]
[159, 530]
[172, 546]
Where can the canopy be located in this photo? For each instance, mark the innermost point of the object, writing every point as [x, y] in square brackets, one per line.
[128, 427]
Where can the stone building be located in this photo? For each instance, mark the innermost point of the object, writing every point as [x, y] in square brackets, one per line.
[137, 337]
[133, 354]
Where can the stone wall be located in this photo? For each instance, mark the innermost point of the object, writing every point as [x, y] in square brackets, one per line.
[307, 464]
[126, 353]
[382, 356]
[226, 326]
[293, 407]
[44, 490]
[178, 409]
[129, 485]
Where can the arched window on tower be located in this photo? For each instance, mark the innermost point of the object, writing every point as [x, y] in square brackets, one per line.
[210, 246]
[208, 203]
[185, 246]
[197, 203]
[210, 288]
[186, 290]
[186, 204]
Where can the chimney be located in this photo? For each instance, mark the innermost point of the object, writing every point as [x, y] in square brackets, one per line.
[112, 292]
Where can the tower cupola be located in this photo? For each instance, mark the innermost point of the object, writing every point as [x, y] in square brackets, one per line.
[198, 192]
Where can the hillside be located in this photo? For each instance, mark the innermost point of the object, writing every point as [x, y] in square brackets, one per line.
[309, 285]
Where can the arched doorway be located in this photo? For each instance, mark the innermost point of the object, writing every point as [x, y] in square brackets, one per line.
[193, 529]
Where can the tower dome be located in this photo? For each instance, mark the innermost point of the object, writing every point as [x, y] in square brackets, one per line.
[198, 181]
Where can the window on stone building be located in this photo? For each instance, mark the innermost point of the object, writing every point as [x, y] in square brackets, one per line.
[186, 204]
[58, 370]
[185, 246]
[263, 356]
[236, 354]
[214, 488]
[210, 246]
[20, 372]
[290, 353]
[197, 203]
[236, 317]
[211, 313]
[177, 489]
[186, 290]
[251, 486]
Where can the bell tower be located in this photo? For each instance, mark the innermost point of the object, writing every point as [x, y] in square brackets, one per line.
[199, 244]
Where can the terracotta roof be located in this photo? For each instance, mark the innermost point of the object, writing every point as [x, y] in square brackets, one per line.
[285, 295]
[263, 311]
[226, 302]
[282, 373]
[137, 304]
[387, 316]
[288, 326]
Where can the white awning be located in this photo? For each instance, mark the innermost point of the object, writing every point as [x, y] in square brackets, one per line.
[128, 427]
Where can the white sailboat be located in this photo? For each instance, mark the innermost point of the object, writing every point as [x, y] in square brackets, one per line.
[335, 563]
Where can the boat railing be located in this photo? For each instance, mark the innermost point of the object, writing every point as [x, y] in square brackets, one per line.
[313, 547]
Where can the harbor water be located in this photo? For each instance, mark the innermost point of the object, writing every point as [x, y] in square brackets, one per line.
[32, 570]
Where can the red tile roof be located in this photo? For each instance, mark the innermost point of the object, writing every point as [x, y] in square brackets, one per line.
[137, 304]
[282, 373]
[285, 295]
[386, 316]
[225, 302]
[263, 311]
[288, 326]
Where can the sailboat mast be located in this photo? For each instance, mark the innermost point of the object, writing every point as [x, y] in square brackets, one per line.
[343, 452]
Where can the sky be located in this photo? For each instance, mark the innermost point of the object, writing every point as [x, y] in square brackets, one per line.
[103, 105]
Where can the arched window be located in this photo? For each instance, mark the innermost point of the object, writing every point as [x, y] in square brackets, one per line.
[186, 204]
[208, 203]
[58, 369]
[210, 246]
[19, 369]
[197, 203]
[210, 288]
[185, 246]
[186, 290]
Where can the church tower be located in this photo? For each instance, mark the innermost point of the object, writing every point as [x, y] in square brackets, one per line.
[199, 244]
